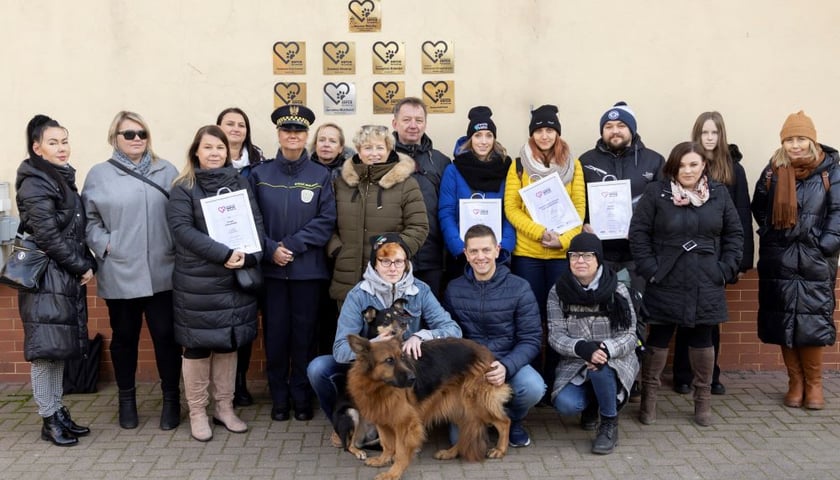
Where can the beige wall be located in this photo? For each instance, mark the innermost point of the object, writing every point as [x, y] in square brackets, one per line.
[179, 62]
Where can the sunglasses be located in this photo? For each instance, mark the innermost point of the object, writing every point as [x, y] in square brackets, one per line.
[130, 134]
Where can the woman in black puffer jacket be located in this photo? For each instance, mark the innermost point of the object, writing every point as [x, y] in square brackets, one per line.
[687, 242]
[797, 207]
[213, 316]
[54, 317]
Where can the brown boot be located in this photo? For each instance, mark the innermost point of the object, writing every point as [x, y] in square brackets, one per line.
[703, 366]
[224, 380]
[811, 358]
[196, 381]
[796, 378]
[654, 363]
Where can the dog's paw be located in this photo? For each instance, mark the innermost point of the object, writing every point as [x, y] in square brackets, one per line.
[359, 454]
[379, 461]
[446, 454]
[387, 476]
[495, 453]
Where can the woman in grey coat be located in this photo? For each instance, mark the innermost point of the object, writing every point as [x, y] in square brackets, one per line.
[127, 230]
[592, 325]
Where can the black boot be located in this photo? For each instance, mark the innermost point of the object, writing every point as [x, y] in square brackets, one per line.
[241, 396]
[128, 408]
[64, 417]
[170, 414]
[607, 437]
[589, 417]
[53, 431]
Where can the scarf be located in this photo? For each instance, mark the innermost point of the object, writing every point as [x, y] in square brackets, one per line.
[785, 210]
[482, 176]
[571, 292]
[534, 167]
[384, 291]
[243, 161]
[142, 167]
[696, 196]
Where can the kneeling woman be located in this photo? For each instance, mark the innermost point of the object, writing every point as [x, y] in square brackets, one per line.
[213, 316]
[592, 325]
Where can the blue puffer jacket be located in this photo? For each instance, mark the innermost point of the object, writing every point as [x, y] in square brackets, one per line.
[298, 207]
[452, 189]
[501, 314]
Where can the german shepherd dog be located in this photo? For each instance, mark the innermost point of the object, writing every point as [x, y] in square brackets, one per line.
[446, 384]
[353, 430]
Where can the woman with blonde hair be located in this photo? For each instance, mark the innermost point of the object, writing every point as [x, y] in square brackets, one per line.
[797, 207]
[125, 201]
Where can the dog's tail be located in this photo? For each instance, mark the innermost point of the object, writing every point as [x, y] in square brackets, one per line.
[472, 439]
[344, 427]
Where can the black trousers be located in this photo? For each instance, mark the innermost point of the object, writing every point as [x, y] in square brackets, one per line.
[290, 313]
[682, 367]
[126, 316]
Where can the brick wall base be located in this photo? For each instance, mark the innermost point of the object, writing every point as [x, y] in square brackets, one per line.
[740, 347]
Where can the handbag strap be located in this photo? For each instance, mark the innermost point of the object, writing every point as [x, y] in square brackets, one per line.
[138, 176]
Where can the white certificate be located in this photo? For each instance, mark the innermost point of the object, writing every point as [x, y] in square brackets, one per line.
[480, 211]
[230, 221]
[549, 204]
[610, 208]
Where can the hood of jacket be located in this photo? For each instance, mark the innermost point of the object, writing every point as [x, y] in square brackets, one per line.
[386, 175]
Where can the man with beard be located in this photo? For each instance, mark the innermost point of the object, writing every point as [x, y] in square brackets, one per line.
[618, 155]
[409, 125]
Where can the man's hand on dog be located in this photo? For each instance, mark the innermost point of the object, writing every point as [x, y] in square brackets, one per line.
[497, 374]
[412, 347]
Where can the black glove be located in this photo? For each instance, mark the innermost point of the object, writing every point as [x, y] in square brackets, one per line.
[585, 349]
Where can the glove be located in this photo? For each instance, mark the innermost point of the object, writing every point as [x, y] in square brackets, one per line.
[584, 349]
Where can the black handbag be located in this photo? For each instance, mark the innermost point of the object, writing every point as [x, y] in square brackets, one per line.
[25, 266]
[249, 279]
[82, 374]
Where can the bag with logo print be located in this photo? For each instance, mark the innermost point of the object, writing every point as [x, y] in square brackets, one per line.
[24, 267]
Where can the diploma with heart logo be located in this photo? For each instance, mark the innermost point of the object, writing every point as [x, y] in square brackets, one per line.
[478, 210]
[230, 220]
[388, 58]
[437, 56]
[289, 58]
[339, 58]
[550, 205]
[610, 208]
[289, 93]
[439, 96]
[386, 95]
[339, 98]
[364, 15]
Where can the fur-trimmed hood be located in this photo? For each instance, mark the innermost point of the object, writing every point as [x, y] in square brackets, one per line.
[386, 175]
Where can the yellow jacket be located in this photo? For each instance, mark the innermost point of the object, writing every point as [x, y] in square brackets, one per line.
[528, 232]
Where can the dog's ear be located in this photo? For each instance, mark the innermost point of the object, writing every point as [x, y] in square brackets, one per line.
[369, 314]
[358, 344]
[399, 305]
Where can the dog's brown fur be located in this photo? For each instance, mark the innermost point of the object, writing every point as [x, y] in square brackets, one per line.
[446, 384]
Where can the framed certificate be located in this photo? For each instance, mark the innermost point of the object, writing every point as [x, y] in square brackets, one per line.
[480, 211]
[549, 204]
[610, 208]
[230, 221]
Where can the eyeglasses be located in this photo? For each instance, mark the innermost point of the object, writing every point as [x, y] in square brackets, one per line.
[387, 263]
[380, 129]
[585, 256]
[130, 134]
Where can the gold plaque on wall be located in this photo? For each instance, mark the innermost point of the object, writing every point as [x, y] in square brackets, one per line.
[386, 95]
[339, 58]
[364, 15]
[289, 93]
[289, 58]
[438, 57]
[439, 96]
[388, 58]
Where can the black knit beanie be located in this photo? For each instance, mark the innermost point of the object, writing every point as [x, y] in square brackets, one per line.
[480, 120]
[544, 116]
[587, 242]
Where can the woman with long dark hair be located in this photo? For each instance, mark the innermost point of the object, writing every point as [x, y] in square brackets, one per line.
[55, 316]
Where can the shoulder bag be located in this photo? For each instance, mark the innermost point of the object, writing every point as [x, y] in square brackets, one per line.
[25, 266]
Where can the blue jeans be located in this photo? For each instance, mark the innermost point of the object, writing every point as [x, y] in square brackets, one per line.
[600, 386]
[322, 372]
[528, 388]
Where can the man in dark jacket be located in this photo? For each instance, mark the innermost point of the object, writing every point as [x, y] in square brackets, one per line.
[618, 155]
[498, 310]
[409, 125]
